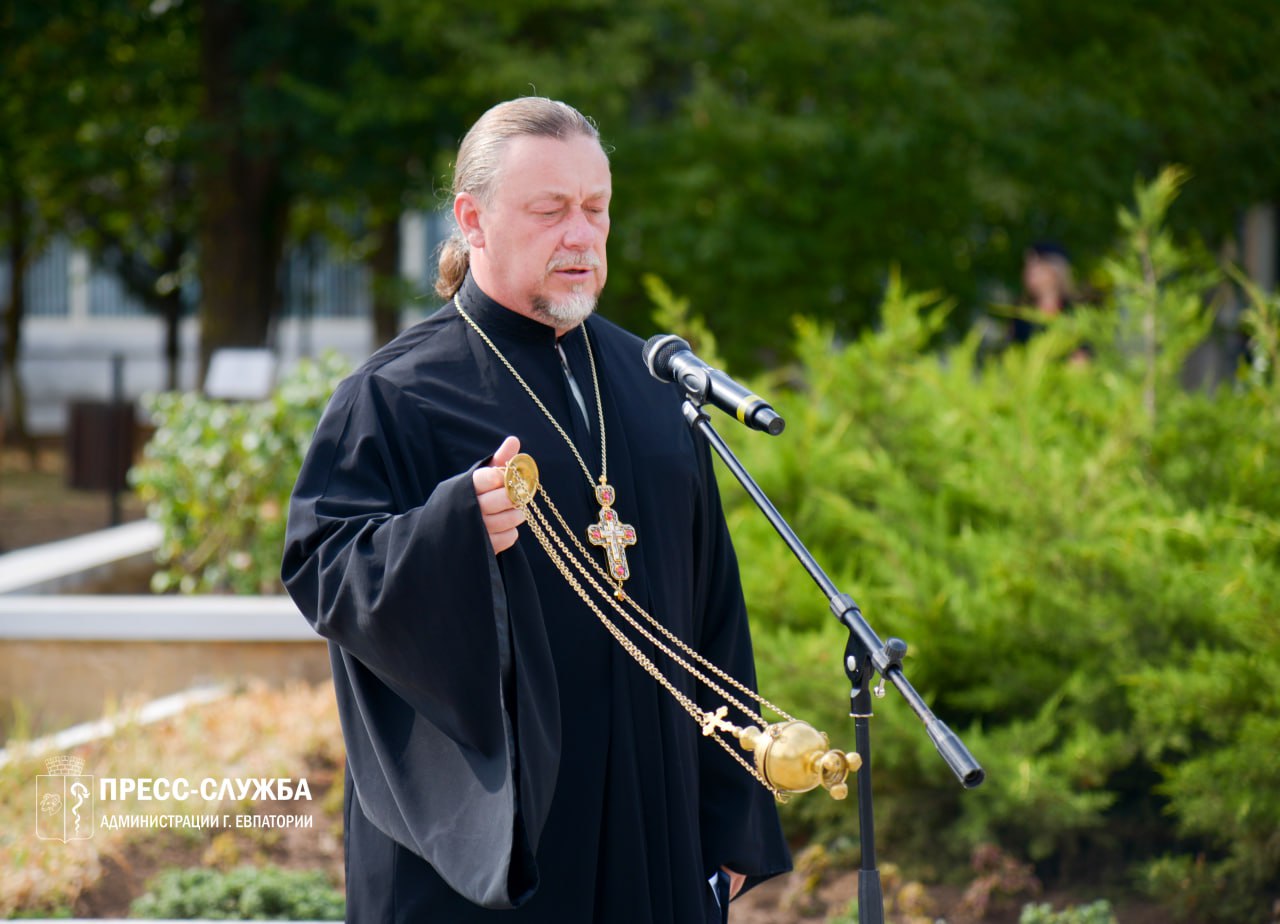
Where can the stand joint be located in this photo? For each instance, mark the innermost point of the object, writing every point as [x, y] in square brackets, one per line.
[888, 658]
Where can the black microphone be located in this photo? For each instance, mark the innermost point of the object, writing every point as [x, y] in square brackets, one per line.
[670, 360]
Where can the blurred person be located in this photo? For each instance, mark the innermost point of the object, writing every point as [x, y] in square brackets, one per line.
[503, 751]
[1047, 286]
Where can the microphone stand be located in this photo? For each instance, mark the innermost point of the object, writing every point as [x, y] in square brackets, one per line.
[865, 656]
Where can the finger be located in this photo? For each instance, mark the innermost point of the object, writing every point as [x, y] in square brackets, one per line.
[496, 501]
[506, 452]
[488, 479]
[503, 521]
[504, 540]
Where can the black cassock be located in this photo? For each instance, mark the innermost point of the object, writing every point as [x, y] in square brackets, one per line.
[493, 727]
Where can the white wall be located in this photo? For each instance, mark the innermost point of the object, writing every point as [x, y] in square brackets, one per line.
[66, 359]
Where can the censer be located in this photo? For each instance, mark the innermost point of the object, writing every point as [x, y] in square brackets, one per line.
[787, 757]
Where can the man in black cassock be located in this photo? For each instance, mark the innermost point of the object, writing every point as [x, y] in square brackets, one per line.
[507, 760]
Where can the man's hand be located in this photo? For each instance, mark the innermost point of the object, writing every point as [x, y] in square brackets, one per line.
[501, 517]
[736, 882]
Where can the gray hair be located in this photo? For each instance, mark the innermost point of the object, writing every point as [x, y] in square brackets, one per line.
[476, 170]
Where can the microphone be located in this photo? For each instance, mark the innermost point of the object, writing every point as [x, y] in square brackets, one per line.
[669, 359]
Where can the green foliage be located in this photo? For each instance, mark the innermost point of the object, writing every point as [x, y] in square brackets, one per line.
[217, 476]
[951, 134]
[245, 893]
[671, 313]
[56, 914]
[1262, 322]
[770, 158]
[1084, 558]
[848, 916]
[1098, 912]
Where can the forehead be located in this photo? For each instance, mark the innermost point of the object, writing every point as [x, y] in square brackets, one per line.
[535, 165]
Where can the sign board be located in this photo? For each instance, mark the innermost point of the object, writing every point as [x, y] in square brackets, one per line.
[237, 374]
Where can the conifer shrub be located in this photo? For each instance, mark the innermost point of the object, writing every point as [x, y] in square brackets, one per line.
[241, 894]
[1084, 558]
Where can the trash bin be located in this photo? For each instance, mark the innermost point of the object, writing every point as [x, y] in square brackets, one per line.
[100, 443]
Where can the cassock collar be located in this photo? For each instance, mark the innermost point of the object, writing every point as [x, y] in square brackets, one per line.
[497, 319]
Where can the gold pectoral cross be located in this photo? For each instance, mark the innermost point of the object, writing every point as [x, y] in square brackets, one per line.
[611, 534]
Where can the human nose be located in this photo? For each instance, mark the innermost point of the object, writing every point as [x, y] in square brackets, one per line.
[580, 233]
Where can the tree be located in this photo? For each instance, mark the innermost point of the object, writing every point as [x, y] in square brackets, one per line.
[33, 109]
[771, 159]
[96, 151]
[320, 105]
[780, 159]
[241, 189]
[378, 160]
[129, 200]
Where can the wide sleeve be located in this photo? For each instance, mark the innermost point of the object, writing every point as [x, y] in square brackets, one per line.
[387, 558]
[739, 817]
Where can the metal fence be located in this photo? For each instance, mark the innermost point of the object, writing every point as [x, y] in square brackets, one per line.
[316, 281]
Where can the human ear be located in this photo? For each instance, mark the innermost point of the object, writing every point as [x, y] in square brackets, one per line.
[466, 211]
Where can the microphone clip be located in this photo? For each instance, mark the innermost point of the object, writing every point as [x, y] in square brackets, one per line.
[696, 384]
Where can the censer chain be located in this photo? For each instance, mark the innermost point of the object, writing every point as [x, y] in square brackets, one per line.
[703, 662]
[537, 524]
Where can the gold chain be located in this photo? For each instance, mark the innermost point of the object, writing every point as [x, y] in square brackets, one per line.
[550, 540]
[671, 636]
[712, 723]
[595, 382]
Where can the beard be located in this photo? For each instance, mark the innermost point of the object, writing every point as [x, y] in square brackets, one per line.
[578, 305]
[569, 311]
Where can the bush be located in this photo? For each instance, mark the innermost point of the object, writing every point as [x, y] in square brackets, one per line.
[1085, 559]
[268, 894]
[1097, 913]
[217, 476]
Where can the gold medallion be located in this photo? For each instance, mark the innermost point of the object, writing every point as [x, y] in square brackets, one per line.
[521, 479]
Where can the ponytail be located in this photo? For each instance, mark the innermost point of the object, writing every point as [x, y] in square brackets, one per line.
[455, 259]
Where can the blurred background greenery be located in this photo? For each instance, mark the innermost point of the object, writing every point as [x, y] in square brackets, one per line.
[771, 158]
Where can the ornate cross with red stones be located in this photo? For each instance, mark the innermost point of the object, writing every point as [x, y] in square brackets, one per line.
[611, 534]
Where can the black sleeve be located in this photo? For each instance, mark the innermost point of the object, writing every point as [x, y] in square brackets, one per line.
[388, 559]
